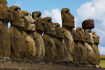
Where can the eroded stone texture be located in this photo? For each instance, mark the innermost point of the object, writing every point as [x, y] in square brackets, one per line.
[4, 33]
[68, 24]
[48, 36]
[29, 41]
[82, 56]
[37, 36]
[16, 33]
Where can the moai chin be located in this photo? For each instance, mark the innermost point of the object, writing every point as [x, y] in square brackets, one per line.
[16, 33]
[4, 33]
[68, 24]
[48, 36]
[81, 57]
[87, 25]
[29, 29]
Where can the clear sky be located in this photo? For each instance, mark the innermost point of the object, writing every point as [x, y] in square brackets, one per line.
[81, 9]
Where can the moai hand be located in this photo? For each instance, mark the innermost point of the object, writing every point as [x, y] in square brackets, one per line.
[4, 33]
[82, 53]
[49, 33]
[87, 25]
[29, 41]
[16, 33]
[95, 48]
[68, 24]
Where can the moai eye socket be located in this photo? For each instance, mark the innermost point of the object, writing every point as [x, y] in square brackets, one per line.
[49, 20]
[26, 14]
[16, 9]
[38, 15]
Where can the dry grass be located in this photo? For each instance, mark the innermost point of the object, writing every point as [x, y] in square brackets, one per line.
[102, 62]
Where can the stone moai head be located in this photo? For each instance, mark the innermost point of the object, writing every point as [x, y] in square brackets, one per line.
[16, 16]
[36, 15]
[81, 34]
[29, 21]
[67, 18]
[96, 38]
[59, 31]
[49, 26]
[87, 25]
[39, 22]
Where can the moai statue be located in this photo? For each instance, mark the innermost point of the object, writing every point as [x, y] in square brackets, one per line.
[81, 49]
[37, 36]
[4, 33]
[49, 34]
[95, 48]
[61, 49]
[87, 25]
[29, 29]
[16, 33]
[68, 24]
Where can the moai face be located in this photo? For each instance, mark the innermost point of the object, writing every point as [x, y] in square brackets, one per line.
[59, 31]
[81, 33]
[95, 38]
[36, 15]
[16, 16]
[29, 21]
[49, 26]
[67, 18]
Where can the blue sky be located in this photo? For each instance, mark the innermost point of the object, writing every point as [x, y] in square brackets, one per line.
[81, 9]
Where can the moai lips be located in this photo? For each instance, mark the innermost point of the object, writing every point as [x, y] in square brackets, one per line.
[4, 33]
[18, 48]
[67, 18]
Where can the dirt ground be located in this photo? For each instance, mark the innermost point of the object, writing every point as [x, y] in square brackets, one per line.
[41, 66]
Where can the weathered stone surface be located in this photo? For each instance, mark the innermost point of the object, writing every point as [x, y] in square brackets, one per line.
[4, 33]
[16, 33]
[48, 39]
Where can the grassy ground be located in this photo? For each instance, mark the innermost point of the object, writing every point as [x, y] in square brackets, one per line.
[102, 62]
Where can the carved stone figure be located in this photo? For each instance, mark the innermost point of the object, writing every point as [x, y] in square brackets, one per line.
[68, 24]
[4, 33]
[37, 36]
[16, 33]
[48, 36]
[82, 56]
[29, 41]
[87, 25]
[95, 48]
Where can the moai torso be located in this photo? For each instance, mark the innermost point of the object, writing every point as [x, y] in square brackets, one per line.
[37, 36]
[95, 48]
[87, 25]
[68, 24]
[48, 36]
[16, 33]
[4, 33]
[29, 29]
